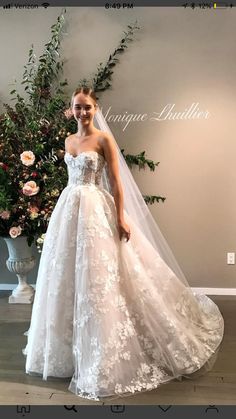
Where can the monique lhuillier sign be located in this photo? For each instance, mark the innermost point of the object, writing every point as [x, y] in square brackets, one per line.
[167, 113]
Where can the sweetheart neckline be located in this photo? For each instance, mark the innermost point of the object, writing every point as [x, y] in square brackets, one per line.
[82, 152]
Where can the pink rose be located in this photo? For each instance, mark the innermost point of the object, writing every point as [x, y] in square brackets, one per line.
[5, 215]
[15, 231]
[30, 188]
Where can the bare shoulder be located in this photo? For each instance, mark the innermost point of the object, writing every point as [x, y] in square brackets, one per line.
[107, 139]
[69, 138]
[68, 141]
[103, 139]
[109, 146]
[101, 136]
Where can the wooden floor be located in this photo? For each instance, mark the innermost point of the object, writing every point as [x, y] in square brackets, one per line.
[217, 387]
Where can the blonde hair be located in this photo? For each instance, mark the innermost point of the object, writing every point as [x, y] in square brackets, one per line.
[86, 91]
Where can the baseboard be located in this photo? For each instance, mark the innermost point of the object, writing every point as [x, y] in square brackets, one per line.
[10, 287]
[215, 291]
[206, 291]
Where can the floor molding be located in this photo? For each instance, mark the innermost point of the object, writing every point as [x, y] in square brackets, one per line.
[215, 291]
[206, 291]
[10, 287]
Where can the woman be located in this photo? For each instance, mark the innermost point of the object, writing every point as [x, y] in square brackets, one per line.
[115, 315]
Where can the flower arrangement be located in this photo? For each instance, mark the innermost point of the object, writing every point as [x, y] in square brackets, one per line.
[32, 136]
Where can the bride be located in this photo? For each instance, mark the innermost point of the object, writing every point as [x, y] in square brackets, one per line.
[112, 309]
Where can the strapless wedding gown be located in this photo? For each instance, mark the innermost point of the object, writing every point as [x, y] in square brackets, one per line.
[98, 316]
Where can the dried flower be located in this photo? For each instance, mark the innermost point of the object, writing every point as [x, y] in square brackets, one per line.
[5, 215]
[68, 113]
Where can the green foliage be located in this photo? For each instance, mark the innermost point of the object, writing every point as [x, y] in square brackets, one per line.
[104, 72]
[151, 199]
[141, 161]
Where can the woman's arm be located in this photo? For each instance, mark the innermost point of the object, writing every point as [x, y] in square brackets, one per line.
[111, 155]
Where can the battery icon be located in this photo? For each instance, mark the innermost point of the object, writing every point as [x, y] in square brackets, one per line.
[220, 5]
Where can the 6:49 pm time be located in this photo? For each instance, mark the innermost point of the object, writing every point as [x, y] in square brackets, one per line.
[119, 5]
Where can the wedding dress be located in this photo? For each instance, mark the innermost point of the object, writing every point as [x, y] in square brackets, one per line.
[111, 314]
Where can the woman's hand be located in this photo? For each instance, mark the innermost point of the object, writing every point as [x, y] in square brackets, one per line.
[124, 230]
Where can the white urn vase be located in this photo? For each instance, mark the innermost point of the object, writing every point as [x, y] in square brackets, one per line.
[20, 261]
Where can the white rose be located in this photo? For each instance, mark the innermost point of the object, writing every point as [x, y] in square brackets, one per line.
[27, 158]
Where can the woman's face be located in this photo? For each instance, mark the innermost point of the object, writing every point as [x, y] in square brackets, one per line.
[84, 108]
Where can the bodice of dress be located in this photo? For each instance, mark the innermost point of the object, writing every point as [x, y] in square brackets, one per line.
[84, 169]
